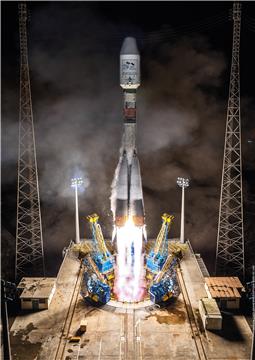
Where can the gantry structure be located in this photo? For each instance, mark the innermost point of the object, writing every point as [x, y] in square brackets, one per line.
[29, 241]
[230, 237]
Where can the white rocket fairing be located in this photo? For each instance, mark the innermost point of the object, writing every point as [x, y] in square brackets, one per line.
[129, 196]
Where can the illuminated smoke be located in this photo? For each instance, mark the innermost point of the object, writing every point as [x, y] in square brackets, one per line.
[129, 273]
[114, 184]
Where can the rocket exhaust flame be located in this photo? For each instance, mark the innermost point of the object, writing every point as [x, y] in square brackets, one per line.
[129, 275]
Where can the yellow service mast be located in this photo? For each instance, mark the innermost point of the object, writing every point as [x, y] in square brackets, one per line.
[101, 256]
[158, 254]
[162, 235]
[98, 235]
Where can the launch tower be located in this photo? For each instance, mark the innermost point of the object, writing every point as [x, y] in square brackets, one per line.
[230, 238]
[29, 241]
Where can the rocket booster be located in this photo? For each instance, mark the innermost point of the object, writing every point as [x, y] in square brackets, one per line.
[129, 195]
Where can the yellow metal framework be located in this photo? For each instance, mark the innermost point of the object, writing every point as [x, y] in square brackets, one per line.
[93, 219]
[167, 220]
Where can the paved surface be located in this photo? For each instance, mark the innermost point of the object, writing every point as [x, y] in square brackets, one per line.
[39, 332]
[126, 332]
[233, 342]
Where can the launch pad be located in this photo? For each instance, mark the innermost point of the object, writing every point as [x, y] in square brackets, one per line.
[109, 276]
[128, 332]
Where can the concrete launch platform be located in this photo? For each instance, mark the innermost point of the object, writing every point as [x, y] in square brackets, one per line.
[127, 332]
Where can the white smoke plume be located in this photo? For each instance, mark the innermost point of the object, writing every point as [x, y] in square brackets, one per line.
[113, 196]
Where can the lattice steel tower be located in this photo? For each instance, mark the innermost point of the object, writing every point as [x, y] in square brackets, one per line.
[230, 239]
[29, 241]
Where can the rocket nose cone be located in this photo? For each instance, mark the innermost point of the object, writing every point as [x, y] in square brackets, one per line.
[129, 47]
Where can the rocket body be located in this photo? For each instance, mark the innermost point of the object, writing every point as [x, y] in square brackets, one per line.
[129, 81]
[129, 196]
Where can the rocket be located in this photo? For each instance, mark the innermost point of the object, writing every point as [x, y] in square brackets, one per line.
[129, 195]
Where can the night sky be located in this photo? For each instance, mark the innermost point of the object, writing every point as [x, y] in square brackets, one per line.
[77, 102]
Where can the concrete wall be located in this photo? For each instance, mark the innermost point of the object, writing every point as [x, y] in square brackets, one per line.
[213, 323]
[37, 304]
[51, 294]
[233, 304]
[224, 303]
[34, 304]
[210, 321]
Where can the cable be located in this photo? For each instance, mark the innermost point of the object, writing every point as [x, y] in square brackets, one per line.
[171, 33]
[252, 20]
[175, 33]
[198, 24]
[190, 28]
[249, 26]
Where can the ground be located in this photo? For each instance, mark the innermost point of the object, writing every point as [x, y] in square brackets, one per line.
[128, 332]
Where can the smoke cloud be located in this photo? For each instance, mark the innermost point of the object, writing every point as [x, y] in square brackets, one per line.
[78, 123]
